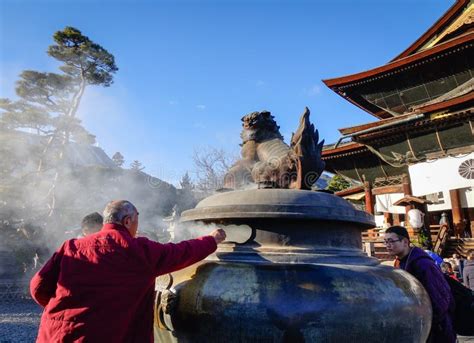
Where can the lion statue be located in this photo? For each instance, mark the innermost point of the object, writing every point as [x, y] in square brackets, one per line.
[269, 162]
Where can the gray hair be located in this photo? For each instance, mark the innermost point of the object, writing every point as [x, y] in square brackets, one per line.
[117, 210]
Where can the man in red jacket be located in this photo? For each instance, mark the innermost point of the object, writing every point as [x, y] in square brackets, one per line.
[100, 288]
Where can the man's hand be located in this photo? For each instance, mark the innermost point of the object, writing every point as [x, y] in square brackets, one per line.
[168, 301]
[219, 235]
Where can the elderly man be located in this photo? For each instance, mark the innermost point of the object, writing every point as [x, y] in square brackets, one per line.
[100, 288]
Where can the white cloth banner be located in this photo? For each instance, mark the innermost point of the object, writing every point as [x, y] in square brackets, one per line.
[442, 174]
[384, 203]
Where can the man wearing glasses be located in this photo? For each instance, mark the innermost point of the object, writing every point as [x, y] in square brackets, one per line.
[100, 288]
[418, 263]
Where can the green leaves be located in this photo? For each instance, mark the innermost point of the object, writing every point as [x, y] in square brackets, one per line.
[338, 183]
[22, 114]
[118, 159]
[47, 89]
[83, 58]
[49, 101]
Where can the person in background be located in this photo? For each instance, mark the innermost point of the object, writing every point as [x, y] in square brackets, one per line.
[91, 223]
[458, 264]
[468, 272]
[447, 269]
[100, 288]
[416, 262]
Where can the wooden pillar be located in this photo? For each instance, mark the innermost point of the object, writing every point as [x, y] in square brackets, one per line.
[369, 198]
[388, 218]
[396, 219]
[406, 191]
[406, 187]
[458, 216]
[470, 221]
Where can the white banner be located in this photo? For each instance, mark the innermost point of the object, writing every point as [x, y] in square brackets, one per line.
[384, 203]
[442, 174]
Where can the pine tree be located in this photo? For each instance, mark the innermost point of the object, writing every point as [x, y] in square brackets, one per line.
[186, 183]
[118, 159]
[21, 114]
[136, 165]
[85, 62]
[48, 102]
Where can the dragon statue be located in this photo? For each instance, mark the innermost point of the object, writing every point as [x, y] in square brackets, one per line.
[269, 162]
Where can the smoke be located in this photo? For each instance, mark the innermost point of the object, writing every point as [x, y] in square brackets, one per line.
[47, 187]
[41, 209]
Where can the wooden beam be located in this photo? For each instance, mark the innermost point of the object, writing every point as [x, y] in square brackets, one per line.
[349, 191]
[387, 190]
[369, 198]
[348, 147]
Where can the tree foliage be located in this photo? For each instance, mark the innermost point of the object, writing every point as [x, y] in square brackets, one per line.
[83, 59]
[187, 197]
[338, 183]
[118, 159]
[186, 182]
[48, 102]
[21, 114]
[136, 165]
[47, 105]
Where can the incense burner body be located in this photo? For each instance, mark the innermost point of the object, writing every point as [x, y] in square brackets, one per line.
[294, 273]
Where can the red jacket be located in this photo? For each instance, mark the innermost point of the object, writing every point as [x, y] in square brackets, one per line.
[100, 288]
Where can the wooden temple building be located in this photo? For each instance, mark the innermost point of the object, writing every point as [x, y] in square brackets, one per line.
[422, 141]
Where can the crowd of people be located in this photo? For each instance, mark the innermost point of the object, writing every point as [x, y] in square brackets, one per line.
[460, 269]
[100, 285]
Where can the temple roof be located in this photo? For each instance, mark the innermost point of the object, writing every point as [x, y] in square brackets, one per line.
[423, 98]
[461, 13]
[438, 66]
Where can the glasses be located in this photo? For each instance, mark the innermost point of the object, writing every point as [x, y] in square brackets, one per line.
[391, 241]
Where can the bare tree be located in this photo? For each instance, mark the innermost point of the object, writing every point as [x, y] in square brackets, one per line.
[211, 164]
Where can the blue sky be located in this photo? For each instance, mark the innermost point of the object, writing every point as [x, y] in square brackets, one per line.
[189, 70]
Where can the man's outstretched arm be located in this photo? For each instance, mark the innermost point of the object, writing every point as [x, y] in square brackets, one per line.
[171, 257]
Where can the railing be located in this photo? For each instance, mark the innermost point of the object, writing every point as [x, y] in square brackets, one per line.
[439, 242]
[373, 244]
[372, 234]
[461, 246]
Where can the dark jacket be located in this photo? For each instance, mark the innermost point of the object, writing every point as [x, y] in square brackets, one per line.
[468, 274]
[421, 265]
[100, 288]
